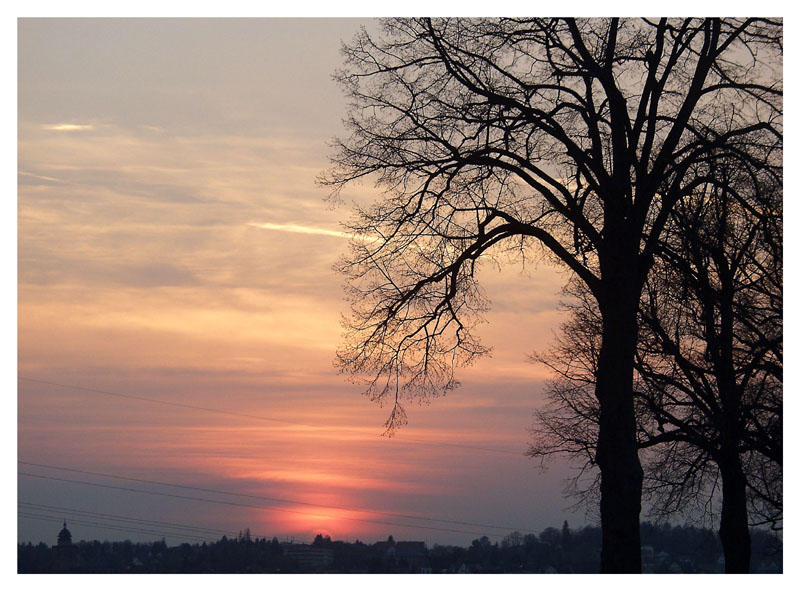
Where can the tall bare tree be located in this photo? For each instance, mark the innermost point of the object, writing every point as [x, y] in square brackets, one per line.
[572, 137]
[722, 331]
[709, 361]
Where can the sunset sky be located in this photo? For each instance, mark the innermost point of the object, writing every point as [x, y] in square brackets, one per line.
[179, 314]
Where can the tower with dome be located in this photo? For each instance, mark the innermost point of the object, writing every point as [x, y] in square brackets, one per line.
[64, 536]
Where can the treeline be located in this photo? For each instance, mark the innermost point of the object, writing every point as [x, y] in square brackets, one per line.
[665, 549]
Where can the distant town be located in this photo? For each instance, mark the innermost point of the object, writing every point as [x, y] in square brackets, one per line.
[665, 549]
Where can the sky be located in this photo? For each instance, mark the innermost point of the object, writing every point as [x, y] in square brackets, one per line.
[178, 311]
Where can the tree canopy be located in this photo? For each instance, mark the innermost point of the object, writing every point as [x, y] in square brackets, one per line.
[501, 134]
[572, 138]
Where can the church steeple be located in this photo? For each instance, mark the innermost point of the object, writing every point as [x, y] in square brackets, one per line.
[64, 537]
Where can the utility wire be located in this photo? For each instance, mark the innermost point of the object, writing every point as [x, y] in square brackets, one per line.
[260, 417]
[248, 505]
[270, 499]
[117, 528]
[135, 520]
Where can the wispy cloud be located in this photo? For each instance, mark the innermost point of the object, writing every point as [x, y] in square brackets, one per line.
[39, 176]
[300, 229]
[68, 127]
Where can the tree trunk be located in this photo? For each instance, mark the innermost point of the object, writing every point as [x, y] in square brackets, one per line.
[734, 532]
[617, 456]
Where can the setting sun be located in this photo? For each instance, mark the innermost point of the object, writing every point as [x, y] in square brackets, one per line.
[366, 279]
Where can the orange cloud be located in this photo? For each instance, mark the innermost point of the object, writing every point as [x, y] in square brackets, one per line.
[68, 127]
[299, 229]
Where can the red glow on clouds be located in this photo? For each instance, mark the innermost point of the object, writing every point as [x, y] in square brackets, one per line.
[174, 295]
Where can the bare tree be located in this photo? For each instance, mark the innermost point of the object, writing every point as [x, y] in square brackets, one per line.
[722, 332]
[570, 137]
[709, 362]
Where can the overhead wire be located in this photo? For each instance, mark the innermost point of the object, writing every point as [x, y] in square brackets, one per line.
[68, 511]
[259, 497]
[249, 505]
[116, 528]
[267, 498]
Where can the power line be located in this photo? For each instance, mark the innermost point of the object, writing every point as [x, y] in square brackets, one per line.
[113, 527]
[270, 499]
[247, 505]
[261, 417]
[266, 498]
[123, 518]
